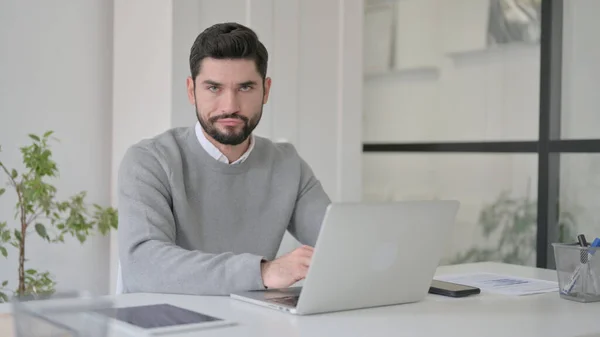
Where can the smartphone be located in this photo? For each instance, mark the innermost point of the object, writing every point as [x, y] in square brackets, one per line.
[452, 289]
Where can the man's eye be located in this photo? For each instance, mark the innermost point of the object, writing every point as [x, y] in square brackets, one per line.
[213, 88]
[245, 88]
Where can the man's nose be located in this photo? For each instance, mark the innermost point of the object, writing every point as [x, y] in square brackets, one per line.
[230, 102]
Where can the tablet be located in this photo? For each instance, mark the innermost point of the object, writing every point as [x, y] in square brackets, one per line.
[160, 319]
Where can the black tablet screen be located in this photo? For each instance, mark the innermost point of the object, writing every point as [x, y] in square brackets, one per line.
[157, 316]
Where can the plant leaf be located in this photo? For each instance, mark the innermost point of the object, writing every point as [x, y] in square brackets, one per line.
[34, 137]
[80, 237]
[14, 174]
[48, 134]
[41, 230]
[3, 251]
[17, 235]
[4, 283]
[2, 190]
[31, 271]
[3, 297]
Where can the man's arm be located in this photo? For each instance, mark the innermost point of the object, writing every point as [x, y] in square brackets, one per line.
[310, 208]
[150, 259]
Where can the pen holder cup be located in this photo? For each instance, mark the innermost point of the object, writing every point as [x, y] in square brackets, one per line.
[60, 315]
[578, 272]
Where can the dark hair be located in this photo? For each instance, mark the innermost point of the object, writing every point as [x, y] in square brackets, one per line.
[228, 40]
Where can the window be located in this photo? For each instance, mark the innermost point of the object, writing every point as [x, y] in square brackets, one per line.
[504, 120]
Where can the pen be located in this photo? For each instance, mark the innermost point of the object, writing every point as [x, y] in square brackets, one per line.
[595, 243]
[582, 241]
[582, 259]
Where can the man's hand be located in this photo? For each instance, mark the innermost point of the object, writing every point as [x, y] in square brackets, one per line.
[288, 269]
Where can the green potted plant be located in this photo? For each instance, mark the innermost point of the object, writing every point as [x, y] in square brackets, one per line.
[38, 211]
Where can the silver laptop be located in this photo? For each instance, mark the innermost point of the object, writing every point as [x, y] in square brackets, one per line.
[368, 255]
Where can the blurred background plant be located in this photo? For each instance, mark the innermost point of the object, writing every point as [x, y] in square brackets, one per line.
[511, 223]
[38, 211]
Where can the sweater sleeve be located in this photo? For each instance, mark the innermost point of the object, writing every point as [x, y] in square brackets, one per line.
[309, 211]
[149, 257]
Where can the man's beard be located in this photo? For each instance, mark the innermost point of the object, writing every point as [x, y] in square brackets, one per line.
[233, 137]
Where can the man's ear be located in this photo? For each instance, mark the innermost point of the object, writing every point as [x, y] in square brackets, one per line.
[267, 87]
[191, 86]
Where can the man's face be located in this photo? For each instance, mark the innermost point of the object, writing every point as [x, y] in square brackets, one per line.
[229, 97]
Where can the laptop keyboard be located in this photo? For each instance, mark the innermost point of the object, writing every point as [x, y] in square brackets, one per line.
[291, 301]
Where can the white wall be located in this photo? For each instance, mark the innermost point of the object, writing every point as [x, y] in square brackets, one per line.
[56, 74]
[142, 87]
[186, 27]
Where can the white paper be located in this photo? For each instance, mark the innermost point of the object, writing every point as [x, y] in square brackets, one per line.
[501, 284]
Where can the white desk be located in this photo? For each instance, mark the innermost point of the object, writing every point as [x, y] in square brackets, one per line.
[544, 315]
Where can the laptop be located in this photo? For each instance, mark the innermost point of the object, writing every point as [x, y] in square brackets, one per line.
[368, 255]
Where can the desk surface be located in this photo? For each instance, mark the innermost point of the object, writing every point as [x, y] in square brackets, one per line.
[544, 315]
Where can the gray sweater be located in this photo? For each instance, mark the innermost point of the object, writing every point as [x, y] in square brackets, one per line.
[190, 224]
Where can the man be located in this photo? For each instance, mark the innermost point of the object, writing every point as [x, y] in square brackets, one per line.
[203, 210]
